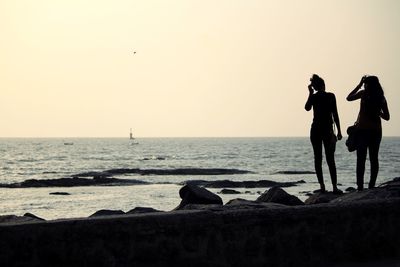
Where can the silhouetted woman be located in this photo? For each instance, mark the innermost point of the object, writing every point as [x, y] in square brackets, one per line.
[325, 115]
[373, 107]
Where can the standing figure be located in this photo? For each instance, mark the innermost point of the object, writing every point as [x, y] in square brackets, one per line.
[373, 107]
[322, 132]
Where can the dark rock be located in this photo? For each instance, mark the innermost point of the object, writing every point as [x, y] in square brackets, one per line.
[241, 184]
[33, 216]
[93, 174]
[369, 194]
[209, 207]
[319, 198]
[390, 189]
[154, 158]
[105, 178]
[191, 194]
[12, 219]
[142, 210]
[278, 195]
[228, 191]
[350, 189]
[60, 193]
[240, 203]
[107, 213]
[71, 182]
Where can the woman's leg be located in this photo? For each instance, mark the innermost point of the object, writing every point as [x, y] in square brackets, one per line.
[316, 142]
[373, 157]
[361, 157]
[330, 148]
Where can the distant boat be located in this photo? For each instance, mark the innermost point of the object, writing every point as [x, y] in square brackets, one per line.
[133, 142]
[68, 143]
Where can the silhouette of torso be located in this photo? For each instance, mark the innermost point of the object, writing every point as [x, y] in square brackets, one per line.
[323, 104]
[369, 117]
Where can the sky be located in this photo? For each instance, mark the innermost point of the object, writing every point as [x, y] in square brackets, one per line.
[202, 68]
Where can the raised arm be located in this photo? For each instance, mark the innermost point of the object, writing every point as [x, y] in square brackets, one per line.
[308, 105]
[356, 94]
[335, 115]
[385, 111]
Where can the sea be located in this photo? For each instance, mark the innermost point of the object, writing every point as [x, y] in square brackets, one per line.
[282, 159]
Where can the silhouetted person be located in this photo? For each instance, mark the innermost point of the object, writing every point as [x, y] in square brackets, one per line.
[373, 107]
[325, 115]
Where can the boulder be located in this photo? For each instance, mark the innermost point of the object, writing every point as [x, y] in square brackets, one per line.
[387, 190]
[12, 219]
[240, 204]
[139, 210]
[107, 213]
[228, 191]
[33, 216]
[350, 189]
[319, 198]
[192, 194]
[278, 195]
[241, 184]
[209, 207]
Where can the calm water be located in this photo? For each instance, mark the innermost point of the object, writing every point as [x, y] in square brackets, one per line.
[22, 159]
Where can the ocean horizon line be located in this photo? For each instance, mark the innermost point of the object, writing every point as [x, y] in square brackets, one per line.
[162, 137]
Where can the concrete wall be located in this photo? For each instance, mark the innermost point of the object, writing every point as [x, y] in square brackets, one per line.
[318, 235]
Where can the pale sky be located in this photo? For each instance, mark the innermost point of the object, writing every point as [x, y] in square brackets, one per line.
[205, 68]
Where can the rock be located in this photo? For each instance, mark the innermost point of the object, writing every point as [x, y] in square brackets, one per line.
[319, 198]
[240, 203]
[142, 210]
[107, 213]
[388, 190]
[278, 195]
[192, 194]
[228, 191]
[241, 184]
[209, 207]
[12, 219]
[350, 189]
[60, 193]
[33, 216]
[71, 182]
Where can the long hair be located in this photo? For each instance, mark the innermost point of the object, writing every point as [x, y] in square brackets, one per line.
[318, 82]
[373, 96]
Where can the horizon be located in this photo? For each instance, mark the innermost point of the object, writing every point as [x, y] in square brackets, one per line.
[172, 137]
[186, 68]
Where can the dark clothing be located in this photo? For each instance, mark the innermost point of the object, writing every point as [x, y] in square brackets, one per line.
[370, 109]
[324, 104]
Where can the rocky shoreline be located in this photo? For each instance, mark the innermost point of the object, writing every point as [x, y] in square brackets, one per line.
[277, 229]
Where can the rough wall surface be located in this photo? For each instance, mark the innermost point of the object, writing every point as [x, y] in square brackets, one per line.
[319, 235]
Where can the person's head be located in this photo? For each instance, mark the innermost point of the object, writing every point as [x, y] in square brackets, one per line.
[373, 87]
[317, 83]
